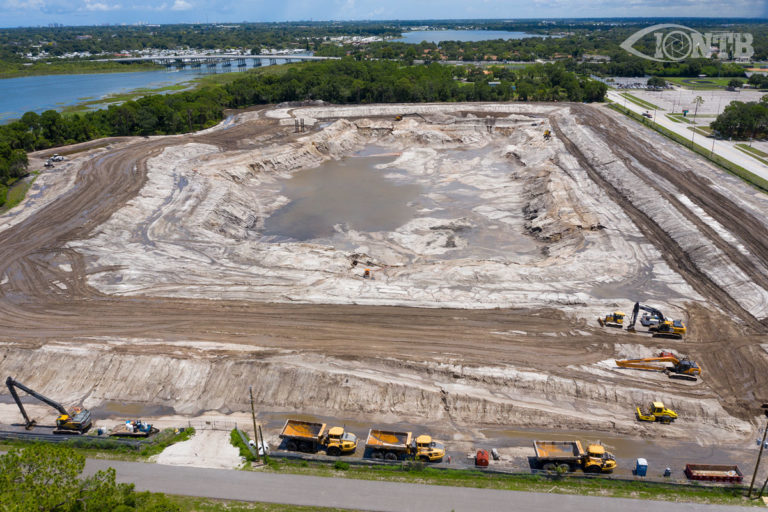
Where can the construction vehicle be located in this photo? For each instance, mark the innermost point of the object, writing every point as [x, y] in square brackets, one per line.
[616, 319]
[76, 422]
[665, 328]
[136, 428]
[309, 437]
[403, 116]
[682, 368]
[657, 412]
[566, 456]
[389, 445]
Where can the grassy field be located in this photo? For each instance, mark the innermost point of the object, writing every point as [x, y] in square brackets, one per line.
[738, 171]
[194, 83]
[99, 449]
[189, 504]
[637, 101]
[700, 84]
[418, 473]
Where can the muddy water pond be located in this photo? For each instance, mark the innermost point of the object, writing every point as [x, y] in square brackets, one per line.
[129, 410]
[351, 193]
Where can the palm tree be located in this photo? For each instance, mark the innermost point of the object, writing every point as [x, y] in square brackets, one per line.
[698, 100]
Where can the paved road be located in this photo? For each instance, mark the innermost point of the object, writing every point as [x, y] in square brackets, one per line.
[363, 494]
[724, 148]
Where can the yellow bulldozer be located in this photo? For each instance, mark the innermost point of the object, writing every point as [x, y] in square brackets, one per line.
[615, 319]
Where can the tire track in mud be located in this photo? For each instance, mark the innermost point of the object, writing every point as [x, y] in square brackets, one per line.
[737, 221]
[734, 364]
[671, 251]
[34, 311]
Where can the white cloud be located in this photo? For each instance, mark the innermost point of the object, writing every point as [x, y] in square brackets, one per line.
[181, 5]
[100, 6]
[23, 4]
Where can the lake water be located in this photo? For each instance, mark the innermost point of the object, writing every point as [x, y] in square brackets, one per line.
[435, 36]
[41, 93]
[351, 193]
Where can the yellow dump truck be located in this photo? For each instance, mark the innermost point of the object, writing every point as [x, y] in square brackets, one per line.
[657, 412]
[309, 437]
[567, 456]
[390, 445]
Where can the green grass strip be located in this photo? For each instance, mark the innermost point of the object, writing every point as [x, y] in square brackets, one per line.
[640, 102]
[752, 155]
[755, 151]
[419, 473]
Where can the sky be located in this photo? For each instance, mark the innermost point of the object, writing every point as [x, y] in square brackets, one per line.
[95, 12]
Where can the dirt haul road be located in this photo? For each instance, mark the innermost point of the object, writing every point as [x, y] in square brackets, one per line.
[137, 272]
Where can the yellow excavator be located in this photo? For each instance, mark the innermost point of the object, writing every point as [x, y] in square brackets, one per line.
[77, 422]
[616, 319]
[682, 368]
[657, 412]
[665, 328]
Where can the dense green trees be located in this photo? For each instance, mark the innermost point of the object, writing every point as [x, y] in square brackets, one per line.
[340, 81]
[742, 120]
[47, 477]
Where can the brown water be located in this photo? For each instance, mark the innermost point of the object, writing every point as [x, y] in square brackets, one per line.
[129, 410]
[349, 193]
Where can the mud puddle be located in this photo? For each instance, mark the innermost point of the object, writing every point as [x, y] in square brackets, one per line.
[348, 194]
[129, 410]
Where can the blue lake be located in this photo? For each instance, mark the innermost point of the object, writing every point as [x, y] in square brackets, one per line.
[41, 93]
[435, 36]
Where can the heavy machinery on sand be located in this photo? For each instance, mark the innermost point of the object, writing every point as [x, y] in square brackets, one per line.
[657, 412]
[566, 456]
[665, 328]
[76, 422]
[615, 319]
[309, 437]
[681, 368]
[392, 446]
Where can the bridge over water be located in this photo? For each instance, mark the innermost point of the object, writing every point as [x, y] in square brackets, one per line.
[196, 61]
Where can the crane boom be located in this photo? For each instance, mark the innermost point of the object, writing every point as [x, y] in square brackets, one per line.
[13, 384]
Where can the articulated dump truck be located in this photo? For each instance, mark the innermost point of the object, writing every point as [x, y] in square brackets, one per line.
[389, 445]
[567, 456]
[308, 437]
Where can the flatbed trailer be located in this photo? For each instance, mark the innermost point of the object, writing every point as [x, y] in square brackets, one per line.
[123, 430]
[303, 436]
[714, 472]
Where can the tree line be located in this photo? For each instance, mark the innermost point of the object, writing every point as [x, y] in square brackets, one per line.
[743, 120]
[47, 477]
[342, 81]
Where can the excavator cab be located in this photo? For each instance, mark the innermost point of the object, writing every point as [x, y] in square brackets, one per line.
[79, 422]
[669, 329]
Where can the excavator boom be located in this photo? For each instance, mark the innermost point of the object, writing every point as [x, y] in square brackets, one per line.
[679, 367]
[13, 384]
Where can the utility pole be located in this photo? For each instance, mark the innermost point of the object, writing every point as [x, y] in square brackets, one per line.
[760, 453]
[253, 417]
